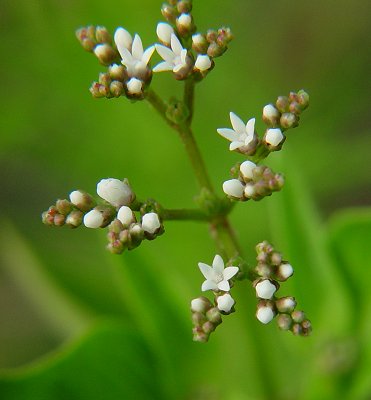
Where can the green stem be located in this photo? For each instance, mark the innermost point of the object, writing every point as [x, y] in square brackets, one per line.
[188, 98]
[160, 106]
[184, 214]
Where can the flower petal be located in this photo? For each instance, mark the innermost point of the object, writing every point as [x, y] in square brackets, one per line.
[237, 123]
[148, 54]
[137, 48]
[163, 66]
[183, 56]
[206, 271]
[230, 272]
[235, 145]
[122, 39]
[176, 46]
[218, 264]
[224, 285]
[229, 134]
[250, 126]
[209, 285]
[165, 53]
[248, 140]
[127, 58]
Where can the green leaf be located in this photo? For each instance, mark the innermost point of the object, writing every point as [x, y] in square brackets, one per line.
[111, 361]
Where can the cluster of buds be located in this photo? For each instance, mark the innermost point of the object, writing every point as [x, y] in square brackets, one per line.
[214, 43]
[206, 316]
[271, 269]
[107, 87]
[178, 13]
[252, 182]
[113, 211]
[125, 232]
[285, 113]
[97, 40]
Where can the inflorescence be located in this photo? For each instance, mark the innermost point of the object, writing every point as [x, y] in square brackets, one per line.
[189, 56]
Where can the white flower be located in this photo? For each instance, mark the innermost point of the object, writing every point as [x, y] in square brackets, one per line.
[274, 136]
[125, 215]
[265, 289]
[284, 271]
[217, 276]
[175, 59]
[264, 314]
[115, 192]
[225, 302]
[122, 39]
[203, 62]
[135, 86]
[164, 32]
[240, 135]
[270, 112]
[151, 222]
[247, 168]
[93, 219]
[136, 61]
[233, 188]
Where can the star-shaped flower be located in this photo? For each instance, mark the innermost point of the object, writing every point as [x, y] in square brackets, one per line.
[175, 59]
[136, 61]
[217, 276]
[240, 135]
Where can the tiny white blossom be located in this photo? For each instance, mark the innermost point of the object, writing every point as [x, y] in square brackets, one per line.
[265, 289]
[225, 302]
[136, 61]
[264, 314]
[241, 134]
[93, 219]
[203, 62]
[233, 188]
[247, 168]
[274, 136]
[135, 86]
[270, 112]
[164, 32]
[125, 215]
[217, 276]
[285, 270]
[249, 191]
[77, 197]
[114, 191]
[151, 222]
[175, 59]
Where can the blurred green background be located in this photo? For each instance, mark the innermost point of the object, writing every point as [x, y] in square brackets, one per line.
[79, 323]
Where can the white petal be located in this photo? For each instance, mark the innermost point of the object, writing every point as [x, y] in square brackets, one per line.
[224, 285]
[122, 39]
[164, 32]
[233, 188]
[229, 134]
[183, 56]
[209, 285]
[148, 54]
[230, 272]
[206, 271]
[137, 48]
[247, 168]
[218, 264]
[176, 46]
[235, 145]
[178, 67]
[163, 66]
[165, 53]
[248, 140]
[237, 123]
[250, 126]
[127, 58]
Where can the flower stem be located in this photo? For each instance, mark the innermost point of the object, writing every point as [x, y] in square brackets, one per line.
[184, 214]
[188, 98]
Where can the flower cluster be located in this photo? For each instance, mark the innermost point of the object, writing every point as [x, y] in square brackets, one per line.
[115, 211]
[270, 269]
[252, 182]
[218, 280]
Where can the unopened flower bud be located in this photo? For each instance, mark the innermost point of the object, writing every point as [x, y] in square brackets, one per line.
[233, 188]
[201, 304]
[82, 200]
[117, 72]
[225, 302]
[264, 270]
[249, 191]
[169, 12]
[164, 32]
[271, 116]
[286, 304]
[214, 316]
[64, 207]
[265, 312]
[199, 43]
[284, 322]
[203, 62]
[74, 219]
[284, 271]
[208, 327]
[276, 258]
[116, 88]
[93, 219]
[246, 169]
[289, 120]
[298, 316]
[115, 192]
[136, 232]
[59, 220]
[184, 6]
[185, 25]
[135, 86]
[265, 289]
[306, 327]
[274, 138]
[105, 53]
[102, 35]
[282, 104]
[126, 216]
[295, 108]
[303, 99]
[297, 329]
[151, 222]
